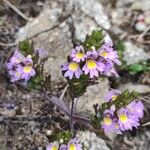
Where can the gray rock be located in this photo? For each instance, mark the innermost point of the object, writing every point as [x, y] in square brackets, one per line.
[134, 54]
[93, 95]
[141, 5]
[88, 15]
[91, 141]
[47, 19]
[140, 88]
[122, 3]
[58, 45]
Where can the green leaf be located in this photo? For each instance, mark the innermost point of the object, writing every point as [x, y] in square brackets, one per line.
[120, 47]
[26, 48]
[95, 39]
[78, 86]
[135, 68]
[65, 135]
[35, 82]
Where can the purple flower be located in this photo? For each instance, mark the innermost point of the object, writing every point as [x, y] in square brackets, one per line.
[136, 108]
[73, 144]
[107, 124]
[28, 61]
[77, 54]
[15, 59]
[139, 109]
[52, 146]
[41, 53]
[126, 121]
[110, 70]
[112, 95]
[26, 72]
[116, 128]
[108, 53]
[15, 75]
[72, 68]
[92, 66]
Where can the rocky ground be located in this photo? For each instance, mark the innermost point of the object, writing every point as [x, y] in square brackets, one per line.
[56, 26]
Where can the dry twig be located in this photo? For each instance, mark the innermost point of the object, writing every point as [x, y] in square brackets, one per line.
[64, 91]
[16, 10]
[145, 124]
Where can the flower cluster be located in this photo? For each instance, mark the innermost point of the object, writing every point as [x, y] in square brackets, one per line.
[143, 21]
[123, 119]
[93, 62]
[20, 67]
[73, 144]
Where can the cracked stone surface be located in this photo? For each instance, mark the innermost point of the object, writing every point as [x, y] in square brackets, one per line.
[87, 16]
[91, 141]
[93, 95]
[134, 54]
[141, 5]
[48, 18]
[58, 45]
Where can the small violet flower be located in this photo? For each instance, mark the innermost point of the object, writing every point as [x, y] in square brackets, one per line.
[26, 72]
[52, 146]
[108, 53]
[72, 68]
[112, 95]
[77, 54]
[16, 59]
[73, 144]
[92, 66]
[107, 123]
[125, 120]
[136, 109]
[42, 54]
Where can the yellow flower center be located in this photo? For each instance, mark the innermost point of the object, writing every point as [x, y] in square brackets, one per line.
[17, 74]
[54, 148]
[73, 66]
[91, 64]
[104, 54]
[107, 121]
[72, 147]
[123, 118]
[27, 69]
[114, 97]
[79, 55]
